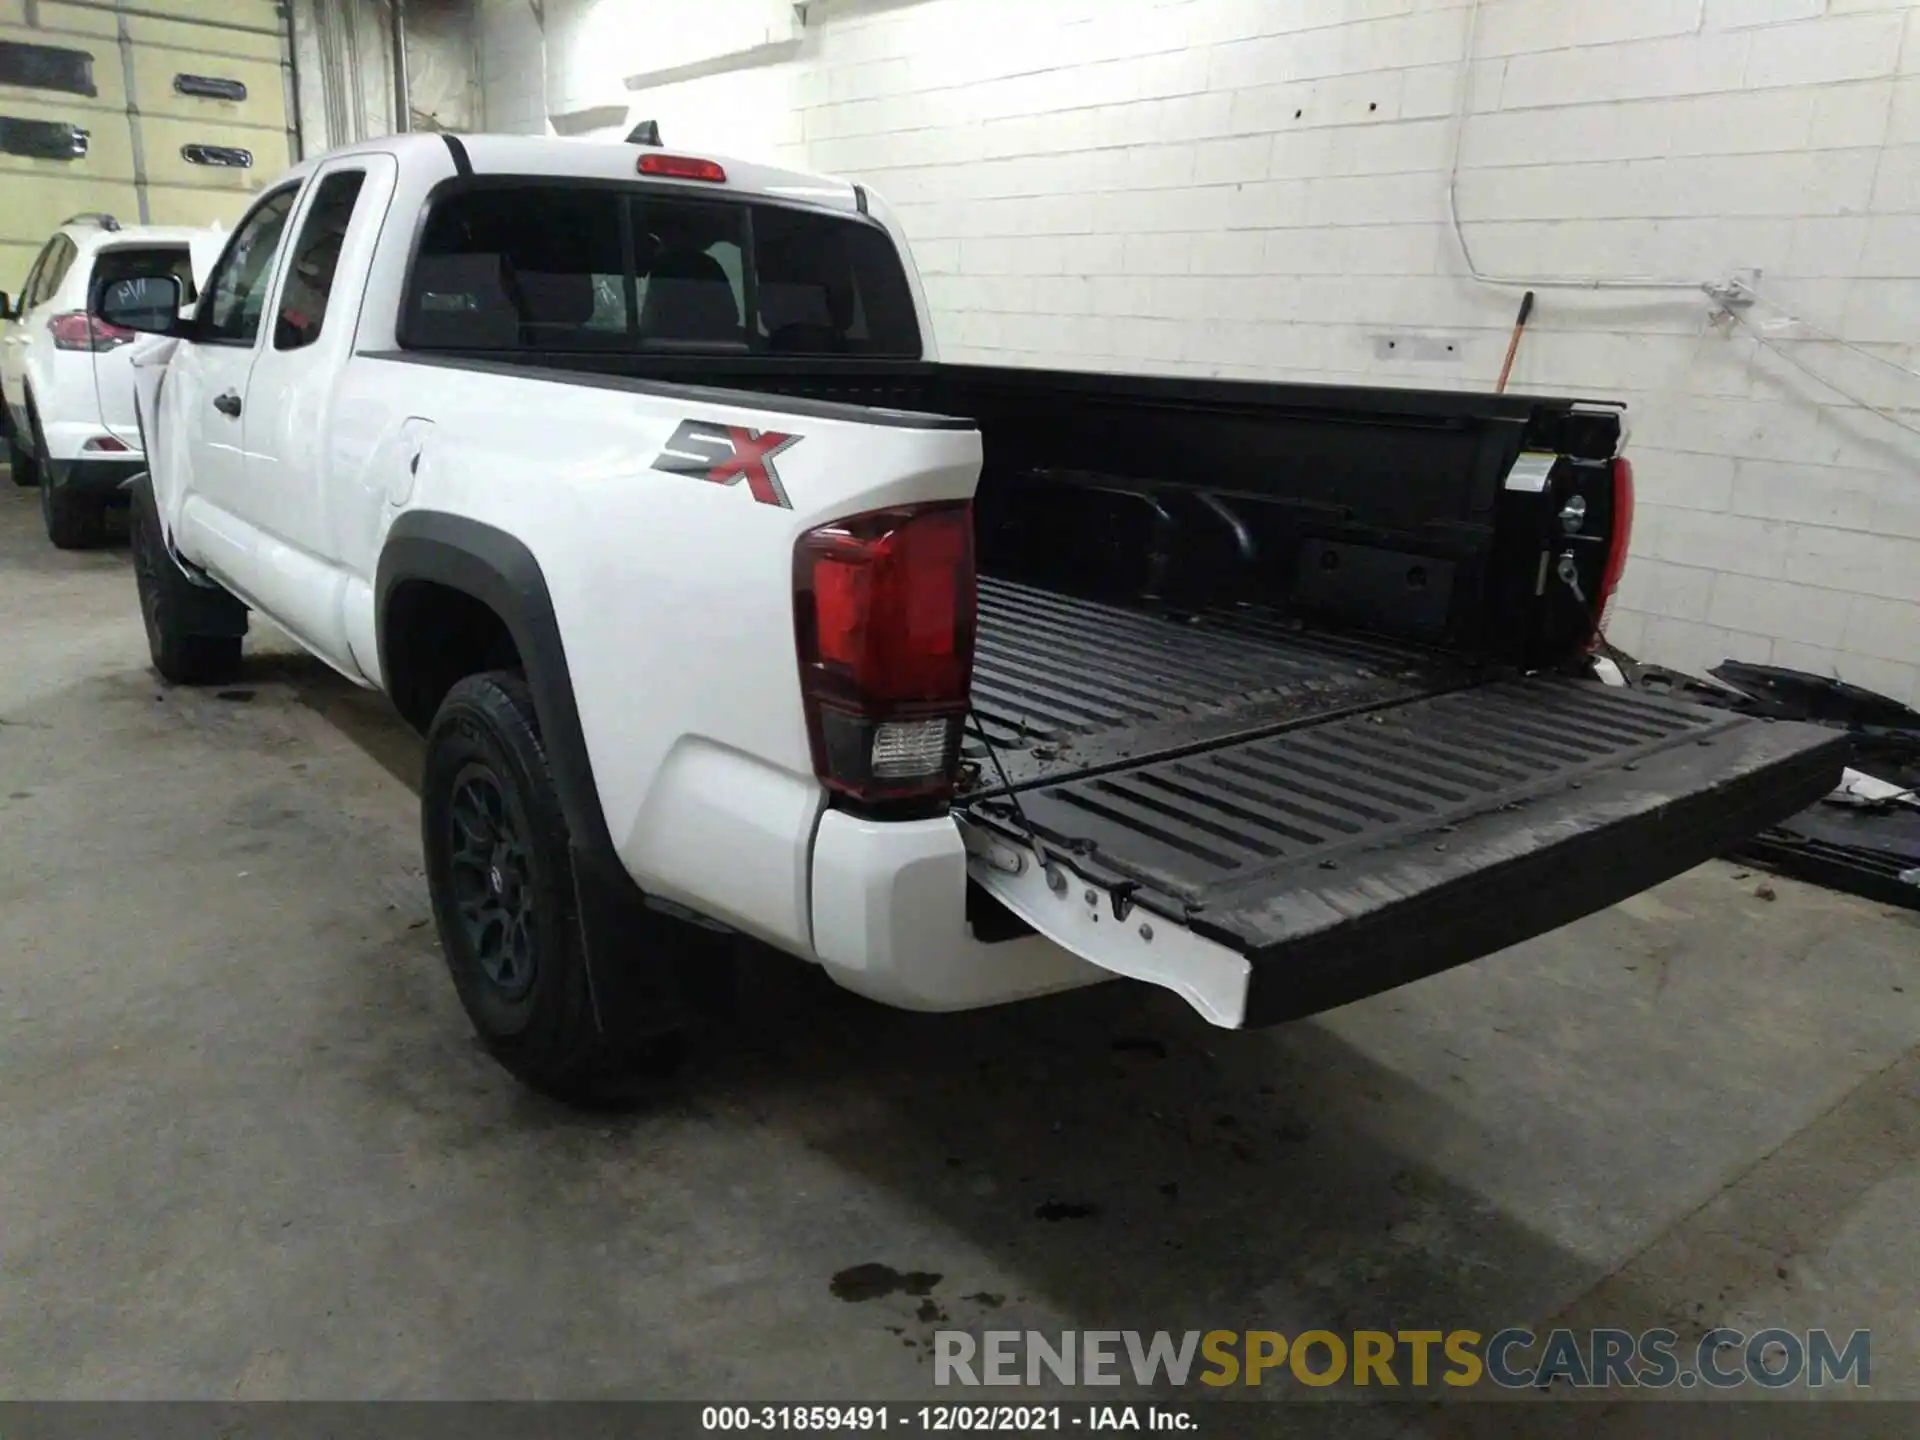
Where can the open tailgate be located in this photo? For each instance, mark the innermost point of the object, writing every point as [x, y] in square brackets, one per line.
[1276, 877]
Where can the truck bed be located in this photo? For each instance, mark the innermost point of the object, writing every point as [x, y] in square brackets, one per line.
[1271, 703]
[1067, 687]
[1205, 764]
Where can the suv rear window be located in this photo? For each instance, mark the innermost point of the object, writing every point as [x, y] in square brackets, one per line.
[155, 260]
[112, 266]
[542, 266]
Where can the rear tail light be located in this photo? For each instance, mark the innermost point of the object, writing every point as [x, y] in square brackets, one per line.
[1618, 539]
[884, 623]
[77, 330]
[105, 445]
[681, 167]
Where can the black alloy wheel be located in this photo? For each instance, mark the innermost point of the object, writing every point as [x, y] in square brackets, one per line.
[493, 894]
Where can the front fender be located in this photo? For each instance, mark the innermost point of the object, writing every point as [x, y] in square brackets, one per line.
[149, 388]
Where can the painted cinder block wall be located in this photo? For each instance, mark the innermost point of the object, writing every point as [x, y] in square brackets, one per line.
[1259, 188]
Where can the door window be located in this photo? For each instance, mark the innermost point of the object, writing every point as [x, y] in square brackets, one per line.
[237, 291]
[309, 284]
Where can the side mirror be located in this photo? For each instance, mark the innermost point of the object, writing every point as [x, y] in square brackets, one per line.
[147, 303]
[6, 306]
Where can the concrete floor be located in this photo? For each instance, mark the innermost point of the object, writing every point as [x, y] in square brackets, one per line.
[248, 1147]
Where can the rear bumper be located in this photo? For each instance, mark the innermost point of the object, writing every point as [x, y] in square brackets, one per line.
[890, 922]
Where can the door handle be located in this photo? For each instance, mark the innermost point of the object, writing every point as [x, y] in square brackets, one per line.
[227, 404]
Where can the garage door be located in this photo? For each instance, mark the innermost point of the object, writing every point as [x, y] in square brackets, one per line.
[168, 112]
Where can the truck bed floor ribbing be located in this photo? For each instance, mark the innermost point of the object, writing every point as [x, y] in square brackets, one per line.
[1065, 686]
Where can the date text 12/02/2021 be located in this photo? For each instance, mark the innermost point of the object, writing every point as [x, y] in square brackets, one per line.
[938, 1418]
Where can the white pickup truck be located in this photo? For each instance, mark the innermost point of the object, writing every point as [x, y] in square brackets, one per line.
[632, 478]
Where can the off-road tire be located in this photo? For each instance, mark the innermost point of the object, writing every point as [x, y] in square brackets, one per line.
[22, 464]
[497, 845]
[74, 519]
[193, 632]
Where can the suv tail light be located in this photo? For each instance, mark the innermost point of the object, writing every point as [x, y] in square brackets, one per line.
[77, 330]
[1618, 539]
[884, 623]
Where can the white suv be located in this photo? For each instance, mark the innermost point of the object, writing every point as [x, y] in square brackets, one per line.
[68, 379]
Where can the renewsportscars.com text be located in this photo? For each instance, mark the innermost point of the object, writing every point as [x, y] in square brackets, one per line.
[1512, 1359]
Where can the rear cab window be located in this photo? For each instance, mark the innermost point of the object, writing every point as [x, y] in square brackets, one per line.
[553, 265]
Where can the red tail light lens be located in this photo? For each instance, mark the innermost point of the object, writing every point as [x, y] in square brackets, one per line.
[77, 330]
[884, 622]
[1618, 539]
[682, 167]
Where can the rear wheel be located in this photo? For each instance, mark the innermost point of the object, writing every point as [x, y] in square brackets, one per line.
[22, 464]
[505, 902]
[193, 632]
[75, 520]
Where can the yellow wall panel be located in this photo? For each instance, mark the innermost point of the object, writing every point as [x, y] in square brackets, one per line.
[260, 14]
[162, 140]
[230, 39]
[172, 206]
[107, 75]
[208, 39]
[16, 258]
[154, 69]
[77, 19]
[109, 141]
[38, 207]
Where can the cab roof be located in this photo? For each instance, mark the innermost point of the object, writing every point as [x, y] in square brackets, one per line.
[593, 159]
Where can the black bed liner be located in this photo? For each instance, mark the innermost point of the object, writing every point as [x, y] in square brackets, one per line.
[1350, 815]
[1065, 686]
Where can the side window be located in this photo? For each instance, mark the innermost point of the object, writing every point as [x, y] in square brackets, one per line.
[56, 272]
[237, 290]
[40, 280]
[504, 267]
[309, 283]
[31, 285]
